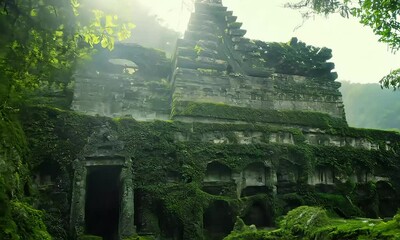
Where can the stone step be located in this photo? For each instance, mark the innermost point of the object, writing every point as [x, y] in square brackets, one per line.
[228, 13]
[235, 25]
[186, 43]
[201, 62]
[199, 21]
[208, 53]
[202, 16]
[201, 28]
[237, 32]
[245, 47]
[195, 35]
[186, 52]
[230, 19]
[240, 40]
[212, 45]
[209, 7]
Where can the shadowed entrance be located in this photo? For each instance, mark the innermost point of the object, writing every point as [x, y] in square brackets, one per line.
[218, 220]
[103, 201]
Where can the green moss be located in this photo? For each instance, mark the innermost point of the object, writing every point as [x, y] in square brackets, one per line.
[253, 235]
[313, 223]
[139, 238]
[24, 223]
[339, 204]
[18, 220]
[297, 58]
[58, 137]
[220, 111]
[304, 220]
[89, 237]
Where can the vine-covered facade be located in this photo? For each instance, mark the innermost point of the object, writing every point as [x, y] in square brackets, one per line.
[180, 148]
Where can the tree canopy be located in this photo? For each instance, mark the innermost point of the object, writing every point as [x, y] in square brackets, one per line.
[383, 16]
[43, 40]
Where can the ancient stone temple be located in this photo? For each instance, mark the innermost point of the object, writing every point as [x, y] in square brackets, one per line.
[228, 127]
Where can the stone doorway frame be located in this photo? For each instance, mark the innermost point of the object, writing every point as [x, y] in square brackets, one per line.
[126, 227]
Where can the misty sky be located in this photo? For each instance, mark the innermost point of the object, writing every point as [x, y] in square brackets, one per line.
[356, 52]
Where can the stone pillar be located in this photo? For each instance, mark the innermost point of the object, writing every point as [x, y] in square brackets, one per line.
[126, 217]
[77, 217]
[273, 181]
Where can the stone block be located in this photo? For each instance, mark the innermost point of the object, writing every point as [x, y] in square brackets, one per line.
[237, 32]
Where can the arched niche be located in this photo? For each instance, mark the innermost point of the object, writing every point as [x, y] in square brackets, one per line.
[387, 195]
[259, 215]
[218, 220]
[121, 65]
[364, 176]
[47, 175]
[322, 175]
[257, 174]
[217, 172]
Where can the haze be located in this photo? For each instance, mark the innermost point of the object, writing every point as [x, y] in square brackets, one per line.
[357, 54]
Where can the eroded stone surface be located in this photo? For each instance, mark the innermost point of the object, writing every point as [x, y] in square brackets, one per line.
[215, 64]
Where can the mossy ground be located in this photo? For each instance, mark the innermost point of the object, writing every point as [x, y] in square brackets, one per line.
[313, 223]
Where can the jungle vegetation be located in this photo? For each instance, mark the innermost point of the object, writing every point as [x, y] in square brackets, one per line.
[41, 43]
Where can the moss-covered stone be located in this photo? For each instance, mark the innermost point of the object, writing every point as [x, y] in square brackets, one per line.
[24, 222]
[57, 137]
[89, 237]
[226, 112]
[313, 223]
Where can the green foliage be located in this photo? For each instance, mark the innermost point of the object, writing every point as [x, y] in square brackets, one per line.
[198, 49]
[253, 235]
[304, 220]
[58, 137]
[297, 58]
[383, 18]
[313, 223]
[24, 222]
[13, 169]
[43, 41]
[89, 237]
[391, 80]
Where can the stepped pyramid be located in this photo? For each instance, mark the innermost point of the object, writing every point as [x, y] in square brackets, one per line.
[215, 63]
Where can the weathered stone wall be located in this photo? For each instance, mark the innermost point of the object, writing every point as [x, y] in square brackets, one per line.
[131, 81]
[173, 172]
[215, 63]
[243, 135]
[278, 92]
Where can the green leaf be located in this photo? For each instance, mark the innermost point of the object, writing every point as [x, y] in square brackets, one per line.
[104, 42]
[109, 21]
[34, 12]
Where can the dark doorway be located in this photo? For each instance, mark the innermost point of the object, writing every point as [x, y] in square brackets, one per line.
[103, 201]
[388, 203]
[218, 220]
[218, 172]
[257, 214]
